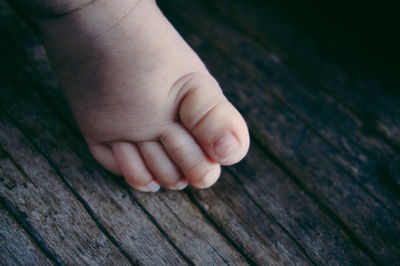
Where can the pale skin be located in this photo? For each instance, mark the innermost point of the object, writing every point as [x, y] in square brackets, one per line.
[144, 101]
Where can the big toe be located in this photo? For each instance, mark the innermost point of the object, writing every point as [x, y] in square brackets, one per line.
[215, 123]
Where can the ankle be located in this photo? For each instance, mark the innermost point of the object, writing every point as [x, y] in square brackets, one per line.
[88, 13]
[39, 9]
[88, 23]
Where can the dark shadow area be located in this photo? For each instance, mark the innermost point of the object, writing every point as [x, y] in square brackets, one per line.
[357, 34]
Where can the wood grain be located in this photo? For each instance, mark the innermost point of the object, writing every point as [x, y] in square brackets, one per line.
[373, 98]
[16, 246]
[275, 198]
[319, 186]
[124, 207]
[51, 210]
[312, 160]
[314, 97]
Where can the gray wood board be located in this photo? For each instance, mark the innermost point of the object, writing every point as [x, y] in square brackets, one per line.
[313, 162]
[303, 195]
[16, 246]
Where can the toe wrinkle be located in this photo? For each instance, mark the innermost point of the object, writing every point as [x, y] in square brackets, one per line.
[182, 89]
[210, 110]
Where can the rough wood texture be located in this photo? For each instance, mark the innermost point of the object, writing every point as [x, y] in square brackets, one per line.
[312, 161]
[39, 196]
[355, 111]
[372, 98]
[16, 247]
[320, 184]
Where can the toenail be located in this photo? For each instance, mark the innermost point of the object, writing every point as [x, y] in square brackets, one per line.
[206, 181]
[151, 187]
[225, 147]
[179, 185]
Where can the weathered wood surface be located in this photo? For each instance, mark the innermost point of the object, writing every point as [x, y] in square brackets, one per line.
[313, 160]
[15, 245]
[319, 186]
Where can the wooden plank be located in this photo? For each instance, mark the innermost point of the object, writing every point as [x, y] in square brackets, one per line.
[372, 98]
[202, 250]
[362, 156]
[223, 221]
[185, 216]
[51, 209]
[255, 247]
[108, 198]
[263, 196]
[238, 235]
[201, 242]
[172, 211]
[179, 218]
[258, 250]
[197, 240]
[16, 246]
[300, 150]
[374, 161]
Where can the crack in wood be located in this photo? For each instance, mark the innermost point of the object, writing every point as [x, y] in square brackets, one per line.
[306, 122]
[270, 216]
[367, 119]
[23, 173]
[19, 217]
[384, 176]
[194, 233]
[157, 225]
[65, 180]
[221, 229]
[325, 209]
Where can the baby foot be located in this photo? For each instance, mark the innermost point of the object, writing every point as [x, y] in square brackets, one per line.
[145, 103]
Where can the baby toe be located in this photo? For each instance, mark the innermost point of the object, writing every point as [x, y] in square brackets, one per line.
[104, 155]
[217, 126]
[133, 167]
[189, 157]
[164, 170]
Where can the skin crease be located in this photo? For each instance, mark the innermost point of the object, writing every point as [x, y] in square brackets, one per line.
[144, 101]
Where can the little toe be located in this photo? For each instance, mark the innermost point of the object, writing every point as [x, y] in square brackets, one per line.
[214, 121]
[133, 167]
[164, 170]
[189, 157]
[104, 155]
